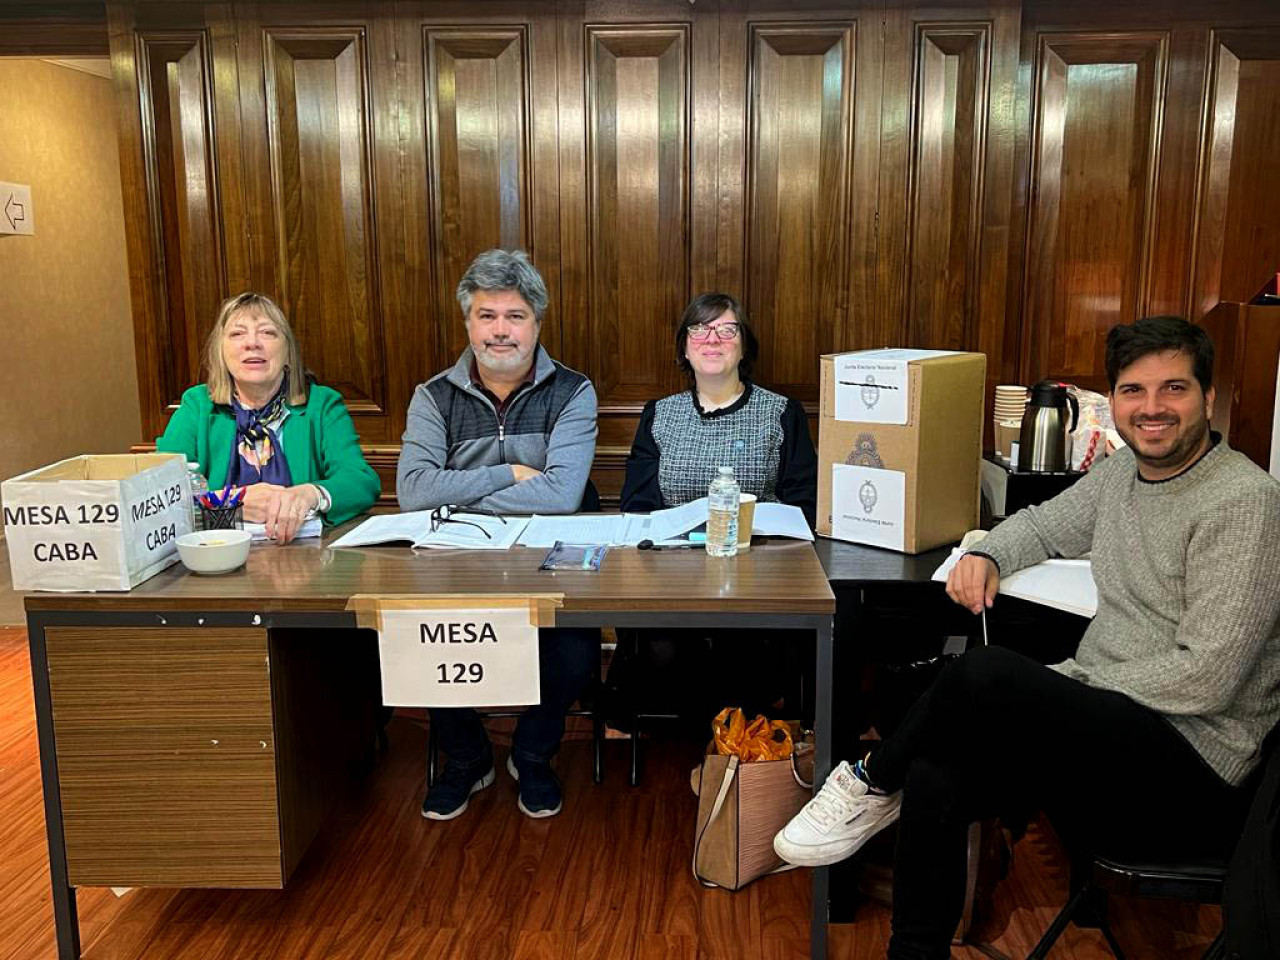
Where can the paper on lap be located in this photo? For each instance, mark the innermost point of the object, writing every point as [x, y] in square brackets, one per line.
[1062, 584]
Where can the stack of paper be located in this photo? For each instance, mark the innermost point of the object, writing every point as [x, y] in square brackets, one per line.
[311, 527]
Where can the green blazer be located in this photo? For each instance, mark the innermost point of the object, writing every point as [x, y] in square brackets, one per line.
[318, 438]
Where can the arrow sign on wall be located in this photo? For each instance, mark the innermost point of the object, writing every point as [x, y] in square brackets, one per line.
[18, 215]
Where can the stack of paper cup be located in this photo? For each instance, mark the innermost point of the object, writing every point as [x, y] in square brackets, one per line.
[1010, 404]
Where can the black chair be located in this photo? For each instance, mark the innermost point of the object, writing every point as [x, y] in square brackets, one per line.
[1191, 881]
[1094, 876]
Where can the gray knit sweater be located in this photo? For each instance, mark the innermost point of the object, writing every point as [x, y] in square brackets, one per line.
[1188, 576]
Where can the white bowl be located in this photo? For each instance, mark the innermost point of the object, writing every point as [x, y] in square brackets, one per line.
[214, 551]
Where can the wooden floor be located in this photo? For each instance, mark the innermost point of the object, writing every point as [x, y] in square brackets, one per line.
[608, 878]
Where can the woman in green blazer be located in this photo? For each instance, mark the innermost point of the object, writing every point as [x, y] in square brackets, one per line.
[258, 423]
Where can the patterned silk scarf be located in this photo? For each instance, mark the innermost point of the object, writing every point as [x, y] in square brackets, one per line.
[256, 457]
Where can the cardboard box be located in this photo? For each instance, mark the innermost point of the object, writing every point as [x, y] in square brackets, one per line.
[900, 447]
[96, 522]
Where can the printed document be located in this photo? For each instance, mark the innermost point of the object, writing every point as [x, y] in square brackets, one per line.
[466, 531]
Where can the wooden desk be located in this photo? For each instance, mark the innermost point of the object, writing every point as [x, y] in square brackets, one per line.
[171, 719]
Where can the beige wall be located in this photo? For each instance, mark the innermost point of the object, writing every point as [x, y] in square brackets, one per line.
[68, 379]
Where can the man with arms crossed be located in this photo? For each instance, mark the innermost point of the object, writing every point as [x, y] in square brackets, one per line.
[1144, 739]
[506, 430]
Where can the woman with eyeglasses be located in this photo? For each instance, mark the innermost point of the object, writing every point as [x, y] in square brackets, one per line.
[722, 420]
[259, 422]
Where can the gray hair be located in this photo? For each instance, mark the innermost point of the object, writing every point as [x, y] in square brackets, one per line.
[504, 270]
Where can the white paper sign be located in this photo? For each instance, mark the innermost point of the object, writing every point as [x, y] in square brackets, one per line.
[17, 216]
[871, 385]
[469, 657]
[868, 505]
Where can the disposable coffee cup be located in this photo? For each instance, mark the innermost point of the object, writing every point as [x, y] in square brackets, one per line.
[746, 514]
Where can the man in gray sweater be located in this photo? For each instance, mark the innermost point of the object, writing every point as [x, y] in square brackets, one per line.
[505, 430]
[1148, 735]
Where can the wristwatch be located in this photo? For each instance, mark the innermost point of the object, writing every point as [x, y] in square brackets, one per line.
[325, 503]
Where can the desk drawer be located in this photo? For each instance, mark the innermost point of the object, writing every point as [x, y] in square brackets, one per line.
[166, 756]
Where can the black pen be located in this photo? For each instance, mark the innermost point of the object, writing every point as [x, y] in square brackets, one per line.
[650, 545]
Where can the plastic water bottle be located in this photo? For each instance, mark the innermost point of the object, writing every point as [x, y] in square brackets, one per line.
[199, 485]
[722, 514]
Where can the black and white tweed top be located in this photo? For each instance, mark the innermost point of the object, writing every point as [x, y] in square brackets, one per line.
[747, 437]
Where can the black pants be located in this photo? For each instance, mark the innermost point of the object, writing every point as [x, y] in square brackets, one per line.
[1000, 734]
[567, 657]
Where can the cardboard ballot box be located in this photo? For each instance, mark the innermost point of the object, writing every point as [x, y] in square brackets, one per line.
[899, 447]
[96, 522]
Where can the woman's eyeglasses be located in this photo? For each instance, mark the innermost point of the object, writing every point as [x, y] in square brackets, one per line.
[446, 514]
[701, 331]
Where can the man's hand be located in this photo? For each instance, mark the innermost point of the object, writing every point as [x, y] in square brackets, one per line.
[523, 473]
[973, 582]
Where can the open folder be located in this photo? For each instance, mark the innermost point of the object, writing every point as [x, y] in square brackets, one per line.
[466, 531]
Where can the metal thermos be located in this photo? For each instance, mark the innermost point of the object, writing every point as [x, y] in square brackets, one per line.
[1044, 445]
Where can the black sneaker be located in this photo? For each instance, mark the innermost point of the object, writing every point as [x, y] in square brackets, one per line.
[454, 787]
[539, 788]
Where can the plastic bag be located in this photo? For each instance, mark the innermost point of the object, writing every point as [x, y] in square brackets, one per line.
[1089, 438]
[761, 739]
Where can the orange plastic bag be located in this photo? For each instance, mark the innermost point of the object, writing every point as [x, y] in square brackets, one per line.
[761, 739]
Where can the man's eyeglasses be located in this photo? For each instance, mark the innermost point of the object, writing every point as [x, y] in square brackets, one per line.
[447, 514]
[701, 331]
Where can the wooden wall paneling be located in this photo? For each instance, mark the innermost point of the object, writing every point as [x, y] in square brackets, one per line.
[44, 30]
[309, 94]
[947, 231]
[1097, 108]
[799, 177]
[945, 182]
[396, 239]
[847, 308]
[478, 146]
[183, 188]
[637, 197]
[479, 159]
[1166, 289]
[1238, 208]
[638, 201]
[317, 116]
[1000, 250]
[171, 170]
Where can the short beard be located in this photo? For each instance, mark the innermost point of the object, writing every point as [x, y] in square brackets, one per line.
[503, 363]
[1180, 453]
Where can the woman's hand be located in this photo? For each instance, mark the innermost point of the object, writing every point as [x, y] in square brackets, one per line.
[281, 509]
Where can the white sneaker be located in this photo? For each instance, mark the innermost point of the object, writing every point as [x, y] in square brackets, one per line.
[843, 816]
